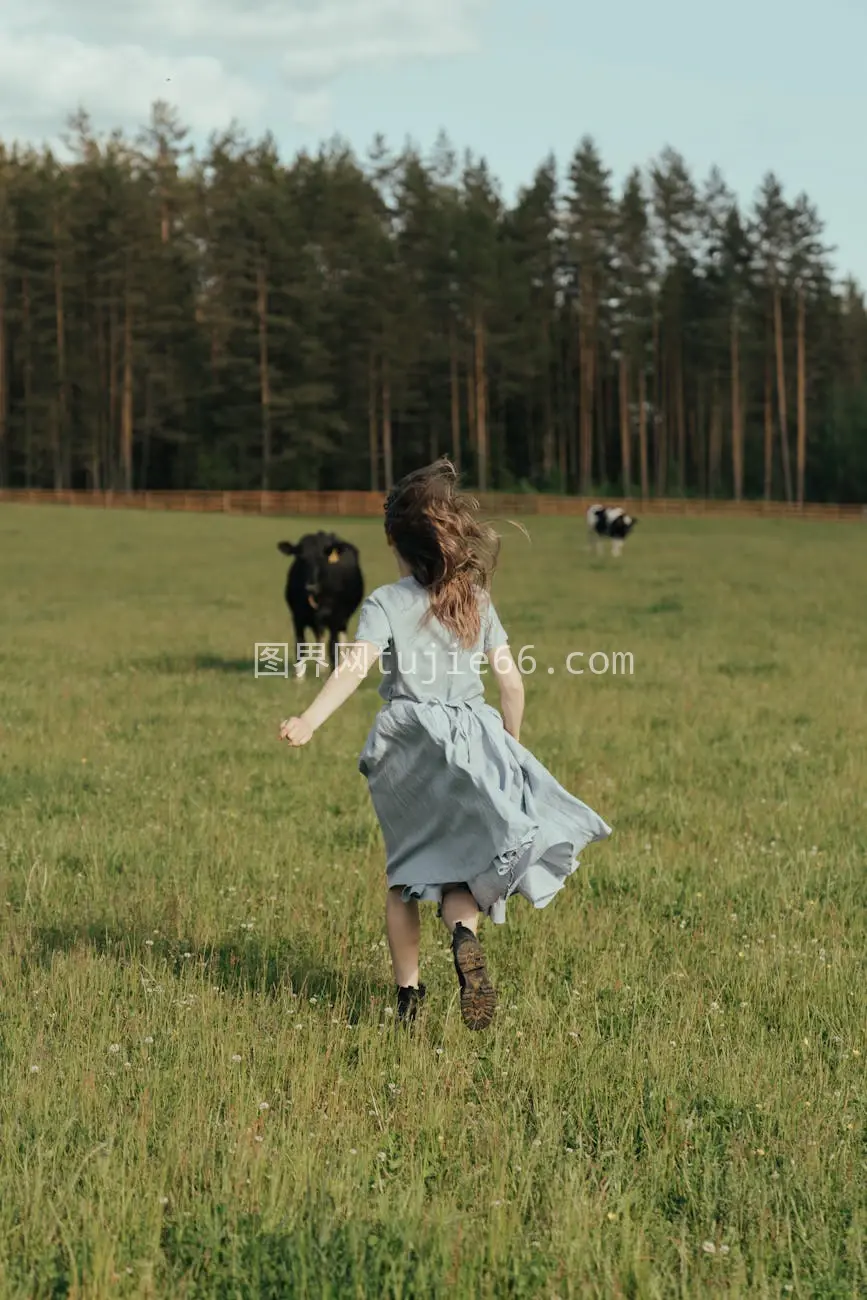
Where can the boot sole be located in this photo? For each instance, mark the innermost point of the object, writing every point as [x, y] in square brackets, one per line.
[478, 995]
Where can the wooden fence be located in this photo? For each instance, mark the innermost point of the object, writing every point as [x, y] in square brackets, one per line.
[359, 505]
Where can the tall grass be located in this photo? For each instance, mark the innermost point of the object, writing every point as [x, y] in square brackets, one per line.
[202, 1090]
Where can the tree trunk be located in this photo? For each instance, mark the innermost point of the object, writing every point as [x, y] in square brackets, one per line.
[585, 437]
[769, 429]
[60, 424]
[681, 417]
[4, 385]
[28, 381]
[548, 407]
[587, 391]
[471, 406]
[714, 456]
[576, 424]
[126, 410]
[570, 408]
[146, 438]
[642, 433]
[372, 424]
[802, 396]
[698, 426]
[455, 393]
[625, 432]
[660, 416]
[112, 365]
[600, 396]
[565, 407]
[692, 438]
[98, 413]
[481, 405]
[781, 392]
[737, 428]
[387, 457]
[264, 375]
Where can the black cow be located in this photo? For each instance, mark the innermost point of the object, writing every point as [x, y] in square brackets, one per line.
[324, 588]
[612, 522]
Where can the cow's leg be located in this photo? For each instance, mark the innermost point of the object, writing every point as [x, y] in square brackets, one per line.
[298, 667]
[616, 546]
[322, 646]
[335, 638]
[600, 545]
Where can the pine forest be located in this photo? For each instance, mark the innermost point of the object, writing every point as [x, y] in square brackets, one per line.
[229, 319]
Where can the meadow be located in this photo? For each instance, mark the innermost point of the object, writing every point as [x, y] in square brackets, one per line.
[203, 1092]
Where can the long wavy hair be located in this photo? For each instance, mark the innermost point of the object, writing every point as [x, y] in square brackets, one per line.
[449, 550]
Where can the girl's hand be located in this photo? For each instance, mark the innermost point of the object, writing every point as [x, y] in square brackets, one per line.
[296, 731]
[336, 691]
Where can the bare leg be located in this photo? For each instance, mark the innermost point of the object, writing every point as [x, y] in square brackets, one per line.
[403, 927]
[459, 908]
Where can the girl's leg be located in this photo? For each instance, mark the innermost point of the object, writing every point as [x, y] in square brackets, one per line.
[403, 927]
[459, 908]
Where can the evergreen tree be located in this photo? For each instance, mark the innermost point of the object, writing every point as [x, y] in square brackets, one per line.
[230, 318]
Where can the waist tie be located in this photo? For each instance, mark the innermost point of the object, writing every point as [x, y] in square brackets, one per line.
[472, 705]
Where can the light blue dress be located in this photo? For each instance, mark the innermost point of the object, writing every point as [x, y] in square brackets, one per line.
[458, 799]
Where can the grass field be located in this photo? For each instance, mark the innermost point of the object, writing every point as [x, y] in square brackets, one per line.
[202, 1092]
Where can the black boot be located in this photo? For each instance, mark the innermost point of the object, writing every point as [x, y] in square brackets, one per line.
[409, 1002]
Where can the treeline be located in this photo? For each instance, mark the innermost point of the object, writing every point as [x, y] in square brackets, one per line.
[232, 320]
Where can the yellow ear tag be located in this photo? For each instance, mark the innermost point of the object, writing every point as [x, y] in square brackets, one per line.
[333, 557]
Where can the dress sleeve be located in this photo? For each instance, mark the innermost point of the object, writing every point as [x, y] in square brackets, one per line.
[495, 633]
[373, 624]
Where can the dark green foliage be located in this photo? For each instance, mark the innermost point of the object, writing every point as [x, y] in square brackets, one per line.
[233, 320]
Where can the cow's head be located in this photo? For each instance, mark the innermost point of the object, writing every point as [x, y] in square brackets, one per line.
[315, 552]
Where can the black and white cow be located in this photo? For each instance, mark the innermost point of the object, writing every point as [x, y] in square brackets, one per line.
[324, 588]
[611, 522]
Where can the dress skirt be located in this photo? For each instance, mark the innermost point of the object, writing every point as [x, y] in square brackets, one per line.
[458, 799]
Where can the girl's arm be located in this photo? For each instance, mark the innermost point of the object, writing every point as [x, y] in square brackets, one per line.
[511, 685]
[342, 683]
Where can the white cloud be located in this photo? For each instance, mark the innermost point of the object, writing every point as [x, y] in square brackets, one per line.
[312, 110]
[213, 59]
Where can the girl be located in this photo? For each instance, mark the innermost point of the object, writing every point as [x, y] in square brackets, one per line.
[468, 815]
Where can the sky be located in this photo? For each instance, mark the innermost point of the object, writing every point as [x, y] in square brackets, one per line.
[749, 85]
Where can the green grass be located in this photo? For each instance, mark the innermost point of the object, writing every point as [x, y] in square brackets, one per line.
[192, 928]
